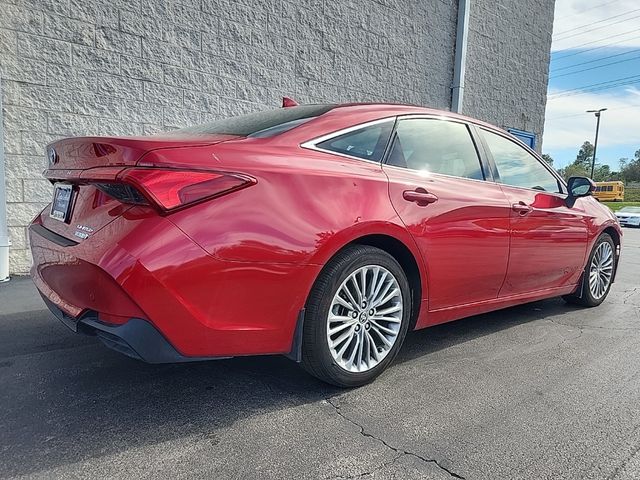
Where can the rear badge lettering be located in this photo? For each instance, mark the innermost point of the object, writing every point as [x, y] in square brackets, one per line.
[83, 231]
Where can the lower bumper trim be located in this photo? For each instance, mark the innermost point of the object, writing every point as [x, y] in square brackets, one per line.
[137, 338]
[68, 321]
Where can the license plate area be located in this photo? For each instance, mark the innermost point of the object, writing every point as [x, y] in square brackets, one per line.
[62, 202]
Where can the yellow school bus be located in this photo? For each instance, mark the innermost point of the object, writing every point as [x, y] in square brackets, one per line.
[609, 191]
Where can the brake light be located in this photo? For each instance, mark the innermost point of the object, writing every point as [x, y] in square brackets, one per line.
[172, 189]
[166, 188]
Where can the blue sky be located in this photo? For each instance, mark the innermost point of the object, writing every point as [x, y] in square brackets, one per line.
[596, 44]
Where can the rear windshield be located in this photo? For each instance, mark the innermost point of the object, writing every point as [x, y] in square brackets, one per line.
[259, 124]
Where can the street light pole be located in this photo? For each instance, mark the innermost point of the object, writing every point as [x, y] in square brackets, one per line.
[595, 144]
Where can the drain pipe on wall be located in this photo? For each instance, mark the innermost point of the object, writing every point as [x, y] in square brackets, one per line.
[4, 235]
[460, 62]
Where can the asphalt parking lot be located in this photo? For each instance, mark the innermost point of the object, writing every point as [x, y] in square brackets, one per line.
[543, 390]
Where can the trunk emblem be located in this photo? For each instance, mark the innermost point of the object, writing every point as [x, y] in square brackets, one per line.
[83, 232]
[53, 156]
[84, 228]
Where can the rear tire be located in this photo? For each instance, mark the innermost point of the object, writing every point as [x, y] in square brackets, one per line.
[356, 317]
[598, 275]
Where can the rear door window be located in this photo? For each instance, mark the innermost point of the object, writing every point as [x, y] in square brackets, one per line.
[437, 146]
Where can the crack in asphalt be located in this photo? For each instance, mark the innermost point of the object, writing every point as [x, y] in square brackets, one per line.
[401, 452]
[630, 293]
[624, 463]
[582, 327]
[371, 472]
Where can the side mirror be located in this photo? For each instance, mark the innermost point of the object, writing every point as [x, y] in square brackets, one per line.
[579, 187]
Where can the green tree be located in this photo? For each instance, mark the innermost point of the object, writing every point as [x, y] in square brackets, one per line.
[602, 173]
[585, 155]
[547, 158]
[581, 166]
[573, 170]
[615, 176]
[622, 163]
[630, 170]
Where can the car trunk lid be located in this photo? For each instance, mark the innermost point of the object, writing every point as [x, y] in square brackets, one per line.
[82, 162]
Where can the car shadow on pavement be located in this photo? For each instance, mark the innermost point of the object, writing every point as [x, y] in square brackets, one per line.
[429, 340]
[66, 398]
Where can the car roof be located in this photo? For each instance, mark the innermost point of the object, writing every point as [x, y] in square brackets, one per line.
[346, 115]
[404, 109]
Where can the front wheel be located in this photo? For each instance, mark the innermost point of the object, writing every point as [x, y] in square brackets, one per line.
[598, 274]
[356, 317]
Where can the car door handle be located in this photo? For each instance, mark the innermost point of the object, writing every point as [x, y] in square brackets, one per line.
[419, 196]
[522, 208]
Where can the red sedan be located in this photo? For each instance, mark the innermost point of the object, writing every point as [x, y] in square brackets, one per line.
[320, 232]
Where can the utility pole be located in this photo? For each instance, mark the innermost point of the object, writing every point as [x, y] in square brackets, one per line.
[595, 144]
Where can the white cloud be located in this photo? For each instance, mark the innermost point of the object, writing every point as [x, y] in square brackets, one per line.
[633, 91]
[575, 25]
[567, 124]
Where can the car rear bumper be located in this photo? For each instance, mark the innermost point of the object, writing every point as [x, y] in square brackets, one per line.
[145, 278]
[136, 338]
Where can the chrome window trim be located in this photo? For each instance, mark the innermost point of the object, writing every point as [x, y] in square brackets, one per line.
[312, 144]
[555, 194]
[433, 116]
[427, 173]
[506, 136]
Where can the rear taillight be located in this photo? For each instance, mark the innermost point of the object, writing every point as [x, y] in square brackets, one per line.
[167, 189]
[172, 189]
[122, 192]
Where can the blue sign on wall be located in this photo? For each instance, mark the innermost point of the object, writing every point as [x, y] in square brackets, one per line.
[527, 138]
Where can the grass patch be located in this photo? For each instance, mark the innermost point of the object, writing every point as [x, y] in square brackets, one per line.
[618, 205]
[632, 194]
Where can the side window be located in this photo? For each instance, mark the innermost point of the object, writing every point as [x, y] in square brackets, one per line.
[436, 146]
[517, 167]
[367, 142]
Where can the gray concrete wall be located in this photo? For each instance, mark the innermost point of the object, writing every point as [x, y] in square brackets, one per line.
[132, 67]
[508, 62]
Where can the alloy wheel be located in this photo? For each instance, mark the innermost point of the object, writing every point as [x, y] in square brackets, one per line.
[601, 270]
[364, 318]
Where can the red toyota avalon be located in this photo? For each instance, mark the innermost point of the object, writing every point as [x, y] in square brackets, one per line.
[320, 232]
